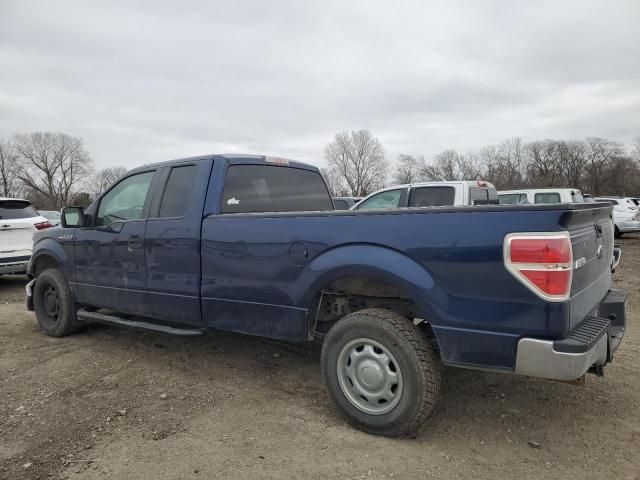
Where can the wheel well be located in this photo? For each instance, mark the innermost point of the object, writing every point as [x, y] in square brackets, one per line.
[43, 262]
[350, 294]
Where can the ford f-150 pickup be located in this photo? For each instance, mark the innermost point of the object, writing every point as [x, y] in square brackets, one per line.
[252, 244]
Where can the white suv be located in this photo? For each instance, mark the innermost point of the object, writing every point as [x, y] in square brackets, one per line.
[18, 221]
[626, 216]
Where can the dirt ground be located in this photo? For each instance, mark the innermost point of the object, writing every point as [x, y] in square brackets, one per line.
[111, 403]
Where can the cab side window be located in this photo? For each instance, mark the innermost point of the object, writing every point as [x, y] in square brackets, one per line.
[177, 192]
[268, 188]
[432, 197]
[546, 198]
[125, 201]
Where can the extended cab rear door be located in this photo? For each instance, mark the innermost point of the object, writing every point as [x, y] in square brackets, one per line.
[248, 263]
[172, 240]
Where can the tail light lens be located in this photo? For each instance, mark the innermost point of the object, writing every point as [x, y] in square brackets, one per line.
[542, 262]
[43, 225]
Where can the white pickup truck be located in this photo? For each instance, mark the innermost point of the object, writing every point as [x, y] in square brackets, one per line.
[431, 194]
[540, 195]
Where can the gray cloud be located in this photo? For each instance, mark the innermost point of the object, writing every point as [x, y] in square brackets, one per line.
[143, 82]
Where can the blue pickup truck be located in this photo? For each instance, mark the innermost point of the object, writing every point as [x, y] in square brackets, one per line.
[253, 244]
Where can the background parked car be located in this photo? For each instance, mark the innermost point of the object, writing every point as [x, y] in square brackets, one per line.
[626, 218]
[431, 194]
[540, 195]
[18, 221]
[52, 215]
[345, 203]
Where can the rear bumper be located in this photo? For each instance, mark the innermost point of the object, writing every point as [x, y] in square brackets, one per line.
[591, 344]
[14, 264]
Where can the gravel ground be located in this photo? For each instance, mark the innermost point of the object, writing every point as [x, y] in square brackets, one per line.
[111, 403]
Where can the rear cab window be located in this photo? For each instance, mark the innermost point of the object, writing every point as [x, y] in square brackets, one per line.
[478, 196]
[269, 188]
[576, 196]
[549, 197]
[16, 209]
[432, 197]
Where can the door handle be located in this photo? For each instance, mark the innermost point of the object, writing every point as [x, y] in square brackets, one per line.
[135, 241]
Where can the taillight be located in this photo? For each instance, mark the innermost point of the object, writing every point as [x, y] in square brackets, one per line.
[542, 262]
[42, 225]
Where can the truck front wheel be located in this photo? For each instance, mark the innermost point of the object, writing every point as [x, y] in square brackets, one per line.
[53, 304]
[381, 372]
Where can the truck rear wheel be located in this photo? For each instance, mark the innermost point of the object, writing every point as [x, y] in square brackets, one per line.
[381, 372]
[53, 304]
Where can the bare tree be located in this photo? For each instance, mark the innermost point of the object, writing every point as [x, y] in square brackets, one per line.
[572, 162]
[635, 150]
[509, 163]
[52, 165]
[8, 169]
[600, 153]
[358, 157]
[407, 169]
[334, 182]
[450, 165]
[543, 167]
[106, 177]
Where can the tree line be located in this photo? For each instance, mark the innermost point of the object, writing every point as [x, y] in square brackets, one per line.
[51, 170]
[357, 165]
[54, 169]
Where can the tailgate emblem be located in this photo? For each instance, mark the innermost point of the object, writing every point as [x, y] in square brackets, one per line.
[579, 263]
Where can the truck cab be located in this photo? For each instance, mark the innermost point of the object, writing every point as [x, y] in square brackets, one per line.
[540, 195]
[431, 194]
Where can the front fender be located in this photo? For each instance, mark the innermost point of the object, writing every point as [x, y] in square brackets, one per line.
[48, 247]
[375, 262]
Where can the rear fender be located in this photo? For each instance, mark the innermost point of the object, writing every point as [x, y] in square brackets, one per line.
[375, 262]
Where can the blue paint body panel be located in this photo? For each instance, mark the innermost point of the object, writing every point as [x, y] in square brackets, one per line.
[262, 273]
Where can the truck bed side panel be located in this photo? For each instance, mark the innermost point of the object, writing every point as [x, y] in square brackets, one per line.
[248, 266]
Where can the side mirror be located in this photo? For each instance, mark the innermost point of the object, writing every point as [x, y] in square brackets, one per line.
[72, 217]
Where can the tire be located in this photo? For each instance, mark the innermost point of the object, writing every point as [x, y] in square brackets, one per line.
[617, 233]
[387, 340]
[53, 304]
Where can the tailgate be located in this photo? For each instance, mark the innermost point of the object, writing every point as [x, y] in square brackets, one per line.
[591, 231]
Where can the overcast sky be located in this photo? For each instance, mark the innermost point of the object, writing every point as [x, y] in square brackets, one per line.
[143, 82]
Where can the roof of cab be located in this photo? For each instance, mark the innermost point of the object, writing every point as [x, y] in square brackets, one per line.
[232, 159]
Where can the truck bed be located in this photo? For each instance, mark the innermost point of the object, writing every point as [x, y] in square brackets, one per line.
[272, 266]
